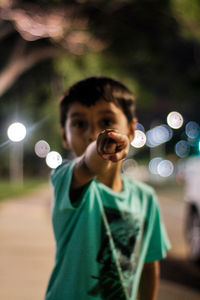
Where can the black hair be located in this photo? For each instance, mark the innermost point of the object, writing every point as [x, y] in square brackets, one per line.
[90, 90]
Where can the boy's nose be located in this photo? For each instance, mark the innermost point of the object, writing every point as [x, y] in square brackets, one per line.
[92, 134]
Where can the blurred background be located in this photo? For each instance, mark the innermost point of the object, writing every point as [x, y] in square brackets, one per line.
[154, 48]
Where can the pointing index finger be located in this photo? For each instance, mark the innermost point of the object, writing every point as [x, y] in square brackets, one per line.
[117, 137]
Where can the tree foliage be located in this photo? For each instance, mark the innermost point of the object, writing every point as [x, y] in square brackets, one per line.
[47, 45]
[155, 42]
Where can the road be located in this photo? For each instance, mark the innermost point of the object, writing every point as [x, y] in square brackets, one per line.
[27, 248]
[180, 279]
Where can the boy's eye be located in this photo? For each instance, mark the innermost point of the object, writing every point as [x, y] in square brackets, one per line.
[107, 122]
[79, 124]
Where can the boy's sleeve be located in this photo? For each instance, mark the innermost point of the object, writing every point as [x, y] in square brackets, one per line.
[158, 241]
[61, 181]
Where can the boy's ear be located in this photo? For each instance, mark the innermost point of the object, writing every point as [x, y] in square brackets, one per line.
[64, 138]
[132, 127]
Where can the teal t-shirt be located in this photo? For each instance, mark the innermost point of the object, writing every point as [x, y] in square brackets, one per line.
[103, 241]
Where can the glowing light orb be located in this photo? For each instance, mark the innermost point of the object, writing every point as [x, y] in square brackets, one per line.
[182, 148]
[192, 130]
[174, 120]
[153, 165]
[139, 126]
[53, 159]
[165, 168]
[158, 135]
[16, 132]
[139, 139]
[42, 148]
[129, 165]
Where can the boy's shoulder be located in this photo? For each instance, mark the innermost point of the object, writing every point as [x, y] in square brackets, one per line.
[60, 167]
[65, 167]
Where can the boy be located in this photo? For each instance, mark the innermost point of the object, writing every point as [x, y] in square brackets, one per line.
[107, 227]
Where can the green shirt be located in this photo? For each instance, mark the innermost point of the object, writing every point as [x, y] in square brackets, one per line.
[104, 239]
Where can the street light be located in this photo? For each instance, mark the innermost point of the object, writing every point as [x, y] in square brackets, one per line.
[16, 133]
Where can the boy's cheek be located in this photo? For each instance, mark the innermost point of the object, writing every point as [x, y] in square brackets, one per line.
[65, 139]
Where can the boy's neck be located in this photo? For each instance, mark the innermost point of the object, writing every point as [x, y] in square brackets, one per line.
[112, 179]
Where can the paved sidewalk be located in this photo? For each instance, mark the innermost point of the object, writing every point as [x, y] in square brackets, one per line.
[27, 246]
[27, 251]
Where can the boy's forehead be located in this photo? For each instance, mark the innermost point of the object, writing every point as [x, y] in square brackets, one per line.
[100, 107]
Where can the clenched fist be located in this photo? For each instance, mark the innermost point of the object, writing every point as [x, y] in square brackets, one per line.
[112, 145]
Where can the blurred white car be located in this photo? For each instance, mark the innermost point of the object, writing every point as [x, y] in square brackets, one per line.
[192, 197]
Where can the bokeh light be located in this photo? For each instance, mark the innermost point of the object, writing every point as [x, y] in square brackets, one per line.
[133, 170]
[16, 132]
[42, 148]
[174, 120]
[140, 127]
[139, 139]
[153, 165]
[53, 159]
[192, 130]
[128, 166]
[182, 148]
[158, 135]
[165, 168]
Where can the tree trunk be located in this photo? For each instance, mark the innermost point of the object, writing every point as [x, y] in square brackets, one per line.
[16, 67]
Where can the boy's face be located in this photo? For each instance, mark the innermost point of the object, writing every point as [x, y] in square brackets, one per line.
[83, 124]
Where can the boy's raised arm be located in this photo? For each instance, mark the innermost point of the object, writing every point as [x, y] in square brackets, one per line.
[99, 156]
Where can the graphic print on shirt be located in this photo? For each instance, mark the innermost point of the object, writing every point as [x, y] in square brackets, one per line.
[126, 233]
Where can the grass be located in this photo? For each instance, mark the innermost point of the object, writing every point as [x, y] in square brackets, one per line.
[8, 190]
